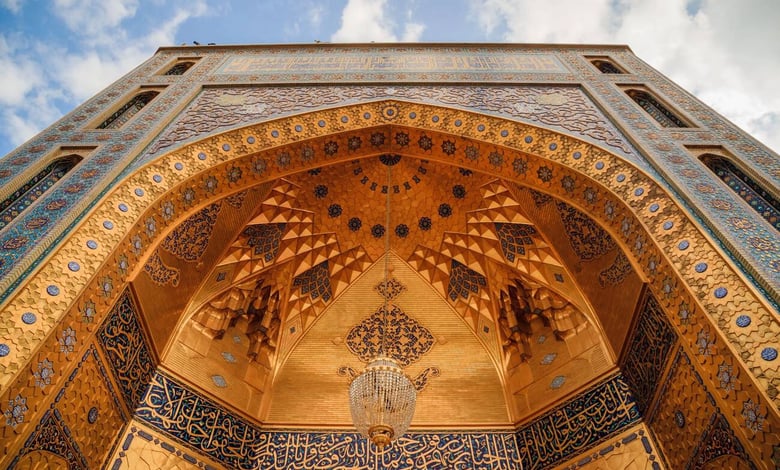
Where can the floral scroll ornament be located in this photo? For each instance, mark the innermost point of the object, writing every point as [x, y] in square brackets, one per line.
[405, 339]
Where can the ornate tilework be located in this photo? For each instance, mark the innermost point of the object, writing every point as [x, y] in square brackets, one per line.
[160, 273]
[590, 418]
[464, 281]
[265, 239]
[757, 198]
[189, 240]
[14, 413]
[391, 289]
[718, 440]
[53, 436]
[540, 199]
[434, 450]
[651, 343]
[405, 340]
[238, 444]
[616, 272]
[227, 108]
[587, 238]
[122, 340]
[514, 238]
[123, 458]
[421, 381]
[236, 200]
[32, 190]
[315, 282]
[197, 421]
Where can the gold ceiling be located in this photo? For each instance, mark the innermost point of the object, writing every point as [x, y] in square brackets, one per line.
[274, 279]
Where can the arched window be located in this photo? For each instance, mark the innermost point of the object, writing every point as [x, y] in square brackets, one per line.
[655, 109]
[606, 66]
[33, 189]
[748, 189]
[130, 109]
[179, 68]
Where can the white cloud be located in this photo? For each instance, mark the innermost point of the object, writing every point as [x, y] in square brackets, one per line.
[15, 6]
[370, 20]
[20, 74]
[39, 78]
[723, 51]
[94, 17]
[314, 15]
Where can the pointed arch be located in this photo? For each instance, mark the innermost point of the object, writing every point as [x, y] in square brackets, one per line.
[633, 209]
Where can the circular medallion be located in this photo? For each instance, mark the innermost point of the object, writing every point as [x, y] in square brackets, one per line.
[92, 415]
[679, 419]
[769, 354]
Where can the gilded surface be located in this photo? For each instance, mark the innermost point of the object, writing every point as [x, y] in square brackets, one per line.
[631, 450]
[128, 353]
[78, 425]
[178, 412]
[145, 448]
[573, 427]
[562, 108]
[610, 210]
[651, 345]
[199, 422]
[689, 428]
[726, 329]
[430, 335]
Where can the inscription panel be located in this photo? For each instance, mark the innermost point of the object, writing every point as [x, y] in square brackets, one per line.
[408, 60]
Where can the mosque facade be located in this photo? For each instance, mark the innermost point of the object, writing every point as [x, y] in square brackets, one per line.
[584, 256]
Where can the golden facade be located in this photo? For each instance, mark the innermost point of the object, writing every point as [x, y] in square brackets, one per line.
[575, 283]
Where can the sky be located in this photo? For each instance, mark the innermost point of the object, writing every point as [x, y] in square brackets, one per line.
[55, 54]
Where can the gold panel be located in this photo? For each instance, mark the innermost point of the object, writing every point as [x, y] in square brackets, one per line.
[308, 390]
[142, 448]
[633, 449]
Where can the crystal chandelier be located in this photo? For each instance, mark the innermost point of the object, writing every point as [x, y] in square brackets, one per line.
[382, 398]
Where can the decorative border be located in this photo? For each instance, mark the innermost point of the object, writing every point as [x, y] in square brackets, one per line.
[181, 413]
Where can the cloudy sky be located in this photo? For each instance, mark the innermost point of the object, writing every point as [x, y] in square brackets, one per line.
[54, 54]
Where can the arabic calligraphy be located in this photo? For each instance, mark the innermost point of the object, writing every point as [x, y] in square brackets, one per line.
[398, 61]
[578, 424]
[199, 422]
[127, 351]
[303, 450]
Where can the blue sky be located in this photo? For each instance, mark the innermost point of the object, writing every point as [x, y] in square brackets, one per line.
[54, 54]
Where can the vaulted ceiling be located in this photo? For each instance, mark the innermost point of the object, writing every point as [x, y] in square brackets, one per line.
[513, 291]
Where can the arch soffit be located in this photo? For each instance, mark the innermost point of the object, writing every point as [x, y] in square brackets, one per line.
[625, 201]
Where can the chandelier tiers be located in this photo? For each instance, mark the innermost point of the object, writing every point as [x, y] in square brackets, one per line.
[382, 401]
[382, 397]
